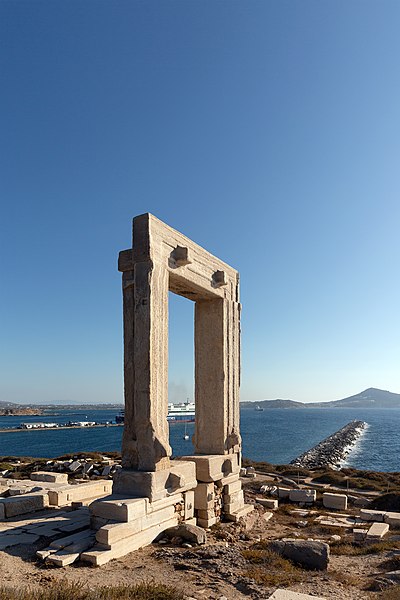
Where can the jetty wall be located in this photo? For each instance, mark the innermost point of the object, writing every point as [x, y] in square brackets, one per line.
[332, 451]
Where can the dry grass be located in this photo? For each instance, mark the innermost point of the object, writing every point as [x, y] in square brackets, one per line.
[268, 568]
[347, 549]
[392, 593]
[66, 591]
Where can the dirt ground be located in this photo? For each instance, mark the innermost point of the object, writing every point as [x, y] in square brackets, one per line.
[217, 569]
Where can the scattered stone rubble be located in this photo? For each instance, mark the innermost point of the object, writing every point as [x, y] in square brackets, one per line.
[332, 450]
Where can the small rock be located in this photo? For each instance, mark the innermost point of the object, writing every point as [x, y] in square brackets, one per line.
[190, 533]
[186, 545]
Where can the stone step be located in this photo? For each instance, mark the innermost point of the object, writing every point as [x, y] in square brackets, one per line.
[100, 554]
[242, 512]
[119, 508]
[71, 539]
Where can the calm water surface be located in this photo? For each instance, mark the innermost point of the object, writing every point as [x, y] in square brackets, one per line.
[274, 435]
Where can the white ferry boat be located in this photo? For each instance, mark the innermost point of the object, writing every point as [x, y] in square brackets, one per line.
[183, 412]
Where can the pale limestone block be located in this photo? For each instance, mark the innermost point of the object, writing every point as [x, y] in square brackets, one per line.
[19, 505]
[180, 477]
[227, 480]
[308, 496]
[189, 505]
[64, 495]
[49, 477]
[372, 515]
[164, 502]
[119, 508]
[392, 518]
[204, 496]
[192, 521]
[232, 488]
[234, 498]
[71, 539]
[75, 525]
[283, 492]
[336, 501]
[247, 508]
[377, 531]
[215, 467]
[206, 514]
[13, 540]
[233, 507]
[268, 503]
[109, 534]
[62, 558]
[206, 523]
[288, 595]
[359, 534]
[100, 555]
[267, 516]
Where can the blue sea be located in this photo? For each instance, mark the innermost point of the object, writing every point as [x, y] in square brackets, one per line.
[274, 435]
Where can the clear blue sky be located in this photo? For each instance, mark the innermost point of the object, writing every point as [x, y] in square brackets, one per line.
[267, 131]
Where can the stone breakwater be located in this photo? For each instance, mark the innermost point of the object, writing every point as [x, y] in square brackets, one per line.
[332, 450]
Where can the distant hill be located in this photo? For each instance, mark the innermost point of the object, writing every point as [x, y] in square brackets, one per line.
[370, 398]
[273, 404]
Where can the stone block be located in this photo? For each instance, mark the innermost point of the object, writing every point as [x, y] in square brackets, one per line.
[206, 523]
[242, 512]
[62, 558]
[307, 496]
[232, 488]
[288, 595]
[100, 555]
[372, 515]
[189, 505]
[377, 531]
[206, 514]
[109, 534]
[227, 480]
[359, 534]
[72, 540]
[267, 503]
[155, 485]
[49, 477]
[335, 501]
[282, 492]
[20, 505]
[204, 496]
[2, 511]
[91, 490]
[75, 466]
[214, 467]
[308, 554]
[14, 539]
[236, 498]
[119, 508]
[392, 518]
[163, 503]
[267, 516]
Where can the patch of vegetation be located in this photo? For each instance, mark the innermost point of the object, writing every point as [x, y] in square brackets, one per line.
[5, 466]
[390, 502]
[343, 548]
[392, 593]
[67, 591]
[391, 564]
[268, 568]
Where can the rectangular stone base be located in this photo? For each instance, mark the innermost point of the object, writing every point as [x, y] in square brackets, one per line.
[155, 485]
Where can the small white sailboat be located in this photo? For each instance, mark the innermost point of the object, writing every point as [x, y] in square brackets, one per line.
[185, 435]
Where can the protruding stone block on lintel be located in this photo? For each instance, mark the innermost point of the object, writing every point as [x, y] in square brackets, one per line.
[180, 256]
[219, 279]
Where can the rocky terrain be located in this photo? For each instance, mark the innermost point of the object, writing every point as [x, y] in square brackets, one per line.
[248, 559]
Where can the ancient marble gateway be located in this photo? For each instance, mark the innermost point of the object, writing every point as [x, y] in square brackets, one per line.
[152, 492]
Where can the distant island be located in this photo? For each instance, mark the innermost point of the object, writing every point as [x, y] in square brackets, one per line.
[370, 398]
[20, 411]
